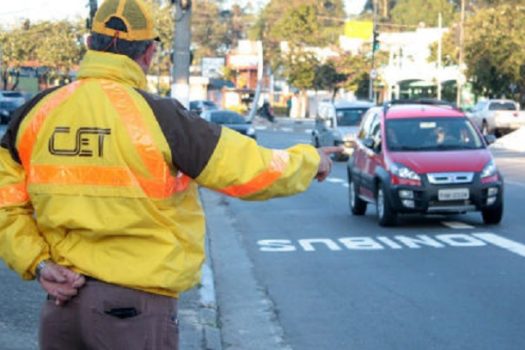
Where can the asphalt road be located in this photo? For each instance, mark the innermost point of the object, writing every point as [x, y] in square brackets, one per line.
[325, 279]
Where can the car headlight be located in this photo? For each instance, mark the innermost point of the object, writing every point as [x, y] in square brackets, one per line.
[250, 131]
[404, 172]
[489, 169]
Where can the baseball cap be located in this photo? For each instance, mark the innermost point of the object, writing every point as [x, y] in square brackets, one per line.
[134, 14]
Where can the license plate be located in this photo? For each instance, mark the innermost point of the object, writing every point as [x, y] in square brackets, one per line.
[453, 194]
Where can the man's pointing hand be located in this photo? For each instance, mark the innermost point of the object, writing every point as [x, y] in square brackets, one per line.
[325, 166]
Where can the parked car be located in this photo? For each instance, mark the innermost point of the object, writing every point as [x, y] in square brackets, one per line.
[336, 123]
[230, 119]
[16, 96]
[7, 108]
[198, 106]
[423, 159]
[497, 116]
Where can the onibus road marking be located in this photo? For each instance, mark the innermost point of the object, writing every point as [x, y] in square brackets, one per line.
[457, 225]
[397, 242]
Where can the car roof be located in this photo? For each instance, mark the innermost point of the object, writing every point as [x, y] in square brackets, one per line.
[348, 104]
[422, 111]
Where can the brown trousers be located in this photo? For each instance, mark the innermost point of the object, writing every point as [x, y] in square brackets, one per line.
[104, 316]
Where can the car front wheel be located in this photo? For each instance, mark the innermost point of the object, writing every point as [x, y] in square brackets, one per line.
[357, 205]
[492, 216]
[386, 214]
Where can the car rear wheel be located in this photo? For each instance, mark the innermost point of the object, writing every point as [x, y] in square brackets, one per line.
[357, 205]
[492, 216]
[386, 215]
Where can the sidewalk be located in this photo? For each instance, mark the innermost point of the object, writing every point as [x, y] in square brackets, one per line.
[198, 319]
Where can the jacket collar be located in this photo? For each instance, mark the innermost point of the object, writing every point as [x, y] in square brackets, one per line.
[111, 66]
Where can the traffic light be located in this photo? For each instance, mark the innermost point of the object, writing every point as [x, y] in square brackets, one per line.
[375, 41]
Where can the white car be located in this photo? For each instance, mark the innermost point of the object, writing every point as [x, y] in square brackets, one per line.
[337, 123]
[497, 116]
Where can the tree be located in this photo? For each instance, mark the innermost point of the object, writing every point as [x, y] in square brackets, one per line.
[328, 78]
[322, 29]
[411, 13]
[494, 51]
[58, 46]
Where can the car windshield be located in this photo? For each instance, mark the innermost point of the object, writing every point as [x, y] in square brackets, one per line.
[227, 118]
[503, 106]
[431, 134]
[350, 116]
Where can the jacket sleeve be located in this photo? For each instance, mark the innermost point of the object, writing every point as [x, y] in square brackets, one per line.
[224, 160]
[239, 167]
[21, 245]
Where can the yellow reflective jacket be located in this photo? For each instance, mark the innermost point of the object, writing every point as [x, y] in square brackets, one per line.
[102, 177]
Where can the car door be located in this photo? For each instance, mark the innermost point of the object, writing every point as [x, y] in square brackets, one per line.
[371, 159]
[327, 136]
[359, 156]
[319, 126]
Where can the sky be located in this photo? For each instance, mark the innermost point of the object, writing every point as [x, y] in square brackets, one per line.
[11, 10]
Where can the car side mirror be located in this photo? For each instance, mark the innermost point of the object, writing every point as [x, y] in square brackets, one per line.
[368, 142]
[490, 139]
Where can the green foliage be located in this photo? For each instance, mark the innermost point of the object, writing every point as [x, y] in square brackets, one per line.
[56, 45]
[449, 48]
[494, 51]
[298, 26]
[299, 69]
[320, 23]
[413, 12]
[327, 77]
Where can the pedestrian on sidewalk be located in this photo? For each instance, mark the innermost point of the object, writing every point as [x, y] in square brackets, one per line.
[99, 192]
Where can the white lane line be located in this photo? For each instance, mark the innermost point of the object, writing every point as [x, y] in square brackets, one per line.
[335, 180]
[457, 225]
[346, 185]
[260, 127]
[308, 131]
[287, 129]
[514, 183]
[505, 243]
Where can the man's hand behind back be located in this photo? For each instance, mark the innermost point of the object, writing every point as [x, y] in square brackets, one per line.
[60, 282]
[325, 166]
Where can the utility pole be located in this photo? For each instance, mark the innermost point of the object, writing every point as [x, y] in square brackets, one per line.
[93, 6]
[461, 44]
[439, 53]
[371, 92]
[180, 89]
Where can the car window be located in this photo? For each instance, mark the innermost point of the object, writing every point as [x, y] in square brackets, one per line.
[227, 118]
[209, 104]
[350, 116]
[503, 106]
[431, 134]
[365, 125]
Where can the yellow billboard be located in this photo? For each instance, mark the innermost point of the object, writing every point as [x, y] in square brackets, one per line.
[359, 29]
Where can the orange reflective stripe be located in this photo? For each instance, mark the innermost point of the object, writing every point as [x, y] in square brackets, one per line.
[161, 184]
[13, 194]
[82, 175]
[262, 181]
[27, 141]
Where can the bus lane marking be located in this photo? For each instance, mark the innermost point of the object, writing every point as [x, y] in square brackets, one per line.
[396, 242]
[457, 225]
[505, 243]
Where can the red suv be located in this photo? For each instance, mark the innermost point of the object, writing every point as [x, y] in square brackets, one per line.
[422, 158]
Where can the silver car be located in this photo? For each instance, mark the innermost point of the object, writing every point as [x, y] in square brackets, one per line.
[337, 123]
